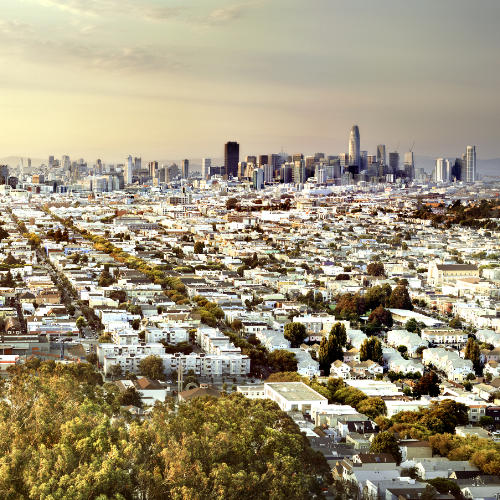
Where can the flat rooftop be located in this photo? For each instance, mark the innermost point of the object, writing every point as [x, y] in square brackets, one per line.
[295, 391]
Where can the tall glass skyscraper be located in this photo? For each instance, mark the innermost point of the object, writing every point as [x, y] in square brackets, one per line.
[354, 145]
[231, 158]
[470, 164]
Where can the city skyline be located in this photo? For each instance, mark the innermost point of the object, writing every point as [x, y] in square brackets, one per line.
[91, 78]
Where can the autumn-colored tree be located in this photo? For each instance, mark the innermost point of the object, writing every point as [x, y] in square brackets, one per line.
[386, 442]
[400, 298]
[428, 384]
[473, 353]
[380, 317]
[295, 333]
[152, 367]
[375, 269]
[372, 407]
[371, 348]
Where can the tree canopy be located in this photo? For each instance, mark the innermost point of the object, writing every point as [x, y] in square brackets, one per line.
[295, 333]
[63, 436]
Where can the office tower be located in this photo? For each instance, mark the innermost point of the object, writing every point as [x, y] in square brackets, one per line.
[372, 160]
[172, 173]
[344, 160]
[51, 161]
[470, 164]
[321, 176]
[4, 174]
[263, 160]
[242, 168]
[268, 173]
[29, 162]
[231, 158]
[299, 172]
[381, 158]
[251, 159]
[286, 173]
[65, 161]
[258, 178]
[297, 157]
[457, 169]
[354, 145]
[137, 164]
[206, 163]
[185, 169]
[409, 165]
[363, 160]
[394, 161]
[128, 170]
[153, 169]
[442, 170]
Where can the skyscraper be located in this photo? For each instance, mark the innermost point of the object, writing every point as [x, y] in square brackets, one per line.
[129, 170]
[185, 169]
[381, 158]
[470, 164]
[442, 170]
[206, 163]
[354, 145]
[394, 161]
[409, 165]
[231, 158]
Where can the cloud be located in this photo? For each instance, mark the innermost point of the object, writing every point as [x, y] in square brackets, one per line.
[22, 40]
[98, 8]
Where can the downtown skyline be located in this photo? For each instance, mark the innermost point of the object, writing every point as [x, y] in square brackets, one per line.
[175, 79]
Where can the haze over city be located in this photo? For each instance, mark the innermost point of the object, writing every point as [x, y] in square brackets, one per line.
[168, 79]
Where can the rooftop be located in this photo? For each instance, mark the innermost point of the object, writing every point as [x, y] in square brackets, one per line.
[295, 391]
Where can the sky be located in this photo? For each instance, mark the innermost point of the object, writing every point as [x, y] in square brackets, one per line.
[179, 78]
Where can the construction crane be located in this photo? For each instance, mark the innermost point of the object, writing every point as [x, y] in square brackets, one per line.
[412, 146]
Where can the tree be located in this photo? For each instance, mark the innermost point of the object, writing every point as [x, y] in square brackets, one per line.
[486, 421]
[386, 442]
[130, 396]
[105, 338]
[381, 316]
[456, 323]
[199, 247]
[412, 326]
[3, 233]
[231, 203]
[115, 371]
[92, 358]
[295, 333]
[81, 323]
[400, 298]
[371, 348]
[152, 367]
[375, 269]
[282, 361]
[472, 353]
[372, 407]
[428, 384]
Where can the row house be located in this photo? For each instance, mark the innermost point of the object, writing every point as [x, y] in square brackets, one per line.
[450, 362]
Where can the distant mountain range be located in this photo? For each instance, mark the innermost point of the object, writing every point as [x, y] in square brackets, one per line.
[489, 168]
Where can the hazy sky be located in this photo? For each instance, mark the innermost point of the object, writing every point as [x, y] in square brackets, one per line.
[175, 78]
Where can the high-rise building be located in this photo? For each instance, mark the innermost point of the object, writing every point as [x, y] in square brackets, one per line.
[394, 161]
[137, 164]
[242, 169]
[286, 174]
[51, 161]
[4, 174]
[231, 158]
[185, 169]
[470, 164]
[354, 146]
[153, 169]
[409, 165]
[129, 170]
[299, 172]
[442, 170]
[263, 160]
[258, 178]
[457, 169]
[363, 160]
[381, 157]
[251, 159]
[206, 163]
